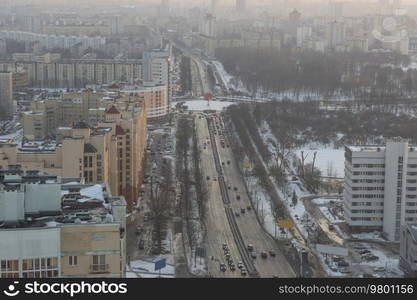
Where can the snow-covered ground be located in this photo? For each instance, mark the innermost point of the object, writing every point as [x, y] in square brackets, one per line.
[15, 136]
[325, 201]
[331, 162]
[228, 80]
[329, 216]
[146, 269]
[368, 236]
[200, 105]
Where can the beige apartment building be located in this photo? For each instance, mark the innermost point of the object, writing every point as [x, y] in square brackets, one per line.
[91, 251]
[112, 152]
[47, 115]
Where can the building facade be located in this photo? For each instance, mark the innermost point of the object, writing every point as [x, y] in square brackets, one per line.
[6, 95]
[380, 187]
[82, 236]
[408, 249]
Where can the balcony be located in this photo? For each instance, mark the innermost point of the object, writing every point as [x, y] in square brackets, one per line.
[99, 269]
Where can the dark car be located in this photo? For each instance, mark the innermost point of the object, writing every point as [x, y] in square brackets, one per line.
[237, 197]
[272, 253]
[264, 254]
[242, 210]
[343, 264]
[141, 244]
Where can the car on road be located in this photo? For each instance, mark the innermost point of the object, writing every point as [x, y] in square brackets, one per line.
[237, 214]
[235, 189]
[225, 246]
[253, 255]
[249, 208]
[232, 268]
[240, 265]
[331, 227]
[237, 197]
[250, 247]
[243, 272]
[223, 267]
[208, 177]
[228, 162]
[264, 254]
[242, 210]
[272, 253]
[365, 251]
[141, 244]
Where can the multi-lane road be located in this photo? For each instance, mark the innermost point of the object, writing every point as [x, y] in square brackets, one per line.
[225, 221]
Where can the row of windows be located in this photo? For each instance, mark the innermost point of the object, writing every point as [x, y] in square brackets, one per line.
[369, 165]
[365, 196]
[367, 211]
[370, 173]
[369, 181]
[366, 219]
[367, 203]
[369, 188]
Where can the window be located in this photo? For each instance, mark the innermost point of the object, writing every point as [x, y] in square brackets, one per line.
[72, 260]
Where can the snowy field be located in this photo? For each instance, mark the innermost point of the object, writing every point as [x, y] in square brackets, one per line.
[331, 162]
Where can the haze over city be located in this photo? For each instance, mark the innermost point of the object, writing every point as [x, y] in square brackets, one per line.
[208, 139]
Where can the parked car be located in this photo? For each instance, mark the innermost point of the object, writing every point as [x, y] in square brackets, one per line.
[250, 247]
[264, 255]
[242, 210]
[243, 272]
[272, 253]
[343, 264]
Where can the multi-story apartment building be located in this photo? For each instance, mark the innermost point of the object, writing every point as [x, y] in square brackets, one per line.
[53, 41]
[381, 187]
[46, 116]
[408, 249]
[6, 95]
[77, 73]
[52, 229]
[157, 71]
[112, 152]
[155, 99]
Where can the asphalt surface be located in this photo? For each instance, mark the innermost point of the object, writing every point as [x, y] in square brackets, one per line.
[249, 225]
[219, 224]
[218, 229]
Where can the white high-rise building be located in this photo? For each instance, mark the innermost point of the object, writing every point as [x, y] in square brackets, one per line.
[381, 187]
